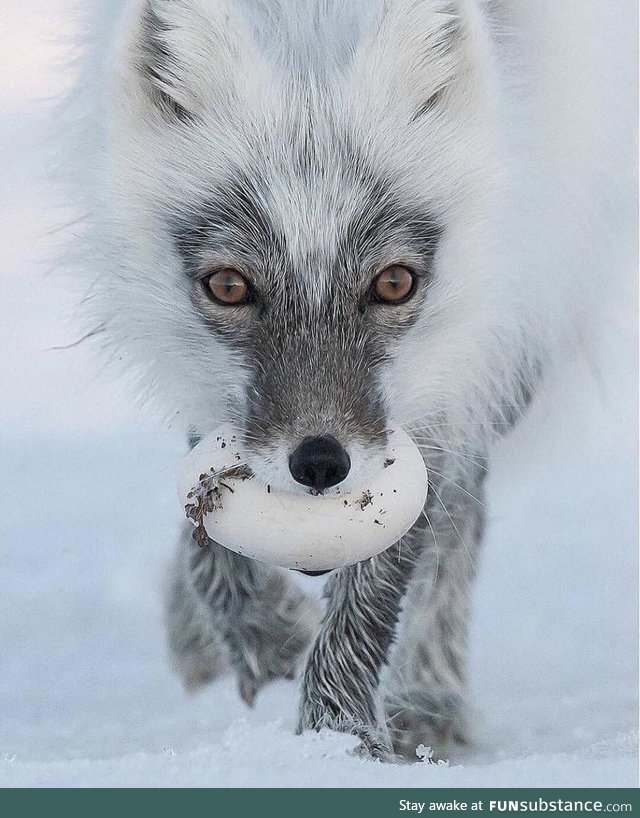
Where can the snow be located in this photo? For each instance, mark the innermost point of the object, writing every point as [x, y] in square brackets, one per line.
[86, 694]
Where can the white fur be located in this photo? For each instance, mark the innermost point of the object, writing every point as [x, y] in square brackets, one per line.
[530, 159]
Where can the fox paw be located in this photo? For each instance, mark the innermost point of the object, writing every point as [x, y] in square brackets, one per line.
[328, 709]
[270, 642]
[437, 722]
[198, 668]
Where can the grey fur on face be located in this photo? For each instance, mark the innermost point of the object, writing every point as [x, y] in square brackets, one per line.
[313, 339]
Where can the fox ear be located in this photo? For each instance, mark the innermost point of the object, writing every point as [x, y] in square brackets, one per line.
[414, 51]
[188, 55]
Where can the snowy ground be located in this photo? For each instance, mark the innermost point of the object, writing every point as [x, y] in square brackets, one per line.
[86, 697]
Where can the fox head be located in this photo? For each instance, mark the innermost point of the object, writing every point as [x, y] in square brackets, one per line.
[296, 207]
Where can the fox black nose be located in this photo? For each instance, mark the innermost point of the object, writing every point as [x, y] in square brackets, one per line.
[319, 462]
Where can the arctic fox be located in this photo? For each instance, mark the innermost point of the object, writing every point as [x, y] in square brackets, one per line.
[313, 218]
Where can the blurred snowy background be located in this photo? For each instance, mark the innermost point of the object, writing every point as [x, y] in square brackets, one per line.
[86, 695]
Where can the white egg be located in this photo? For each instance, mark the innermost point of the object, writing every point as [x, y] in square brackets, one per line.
[297, 529]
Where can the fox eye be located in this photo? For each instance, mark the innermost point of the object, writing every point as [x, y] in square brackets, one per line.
[394, 284]
[228, 287]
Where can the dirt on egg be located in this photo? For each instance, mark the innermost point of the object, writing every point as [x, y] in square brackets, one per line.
[206, 497]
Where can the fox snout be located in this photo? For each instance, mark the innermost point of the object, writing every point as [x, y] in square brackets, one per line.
[319, 462]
